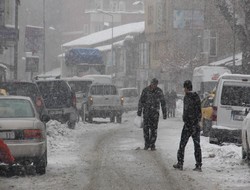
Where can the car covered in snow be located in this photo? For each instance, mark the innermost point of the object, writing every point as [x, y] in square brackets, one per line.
[59, 100]
[103, 102]
[23, 131]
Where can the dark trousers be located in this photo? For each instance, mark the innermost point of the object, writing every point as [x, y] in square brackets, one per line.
[194, 132]
[150, 129]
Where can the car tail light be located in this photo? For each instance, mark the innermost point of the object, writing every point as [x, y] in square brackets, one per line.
[122, 100]
[74, 100]
[39, 101]
[214, 114]
[90, 99]
[33, 134]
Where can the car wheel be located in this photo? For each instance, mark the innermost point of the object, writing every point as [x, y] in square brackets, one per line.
[112, 119]
[214, 140]
[206, 127]
[41, 164]
[119, 118]
[243, 153]
[90, 118]
[248, 149]
[71, 125]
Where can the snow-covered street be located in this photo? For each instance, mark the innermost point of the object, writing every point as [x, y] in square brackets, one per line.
[111, 156]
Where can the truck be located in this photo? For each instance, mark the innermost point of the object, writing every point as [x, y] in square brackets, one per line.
[205, 78]
[82, 61]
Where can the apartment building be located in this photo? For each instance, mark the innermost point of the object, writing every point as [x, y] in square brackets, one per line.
[8, 37]
[183, 34]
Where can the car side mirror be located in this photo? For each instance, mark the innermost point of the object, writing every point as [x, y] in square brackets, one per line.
[45, 118]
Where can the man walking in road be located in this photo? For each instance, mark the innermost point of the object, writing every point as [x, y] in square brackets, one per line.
[149, 103]
[191, 128]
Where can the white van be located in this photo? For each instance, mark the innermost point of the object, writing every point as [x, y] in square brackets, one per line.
[229, 108]
[205, 78]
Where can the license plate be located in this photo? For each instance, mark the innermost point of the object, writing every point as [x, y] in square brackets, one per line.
[7, 135]
[55, 112]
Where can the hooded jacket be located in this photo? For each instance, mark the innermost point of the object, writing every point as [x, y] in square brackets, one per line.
[191, 109]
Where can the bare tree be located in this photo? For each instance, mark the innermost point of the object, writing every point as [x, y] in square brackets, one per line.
[237, 13]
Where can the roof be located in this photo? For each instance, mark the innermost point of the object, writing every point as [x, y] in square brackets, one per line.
[105, 35]
[229, 61]
[3, 66]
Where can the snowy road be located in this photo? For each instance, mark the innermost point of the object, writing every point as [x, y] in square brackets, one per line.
[104, 156]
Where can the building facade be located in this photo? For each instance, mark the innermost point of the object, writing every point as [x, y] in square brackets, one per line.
[8, 38]
[184, 34]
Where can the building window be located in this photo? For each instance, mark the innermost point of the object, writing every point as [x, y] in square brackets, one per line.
[156, 50]
[210, 43]
[160, 15]
[98, 4]
[150, 15]
[114, 5]
[144, 55]
[122, 6]
[213, 44]
[86, 29]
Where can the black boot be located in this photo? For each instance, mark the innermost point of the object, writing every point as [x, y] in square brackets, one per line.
[197, 168]
[178, 166]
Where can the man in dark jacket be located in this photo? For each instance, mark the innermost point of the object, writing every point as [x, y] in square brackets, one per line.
[191, 118]
[149, 103]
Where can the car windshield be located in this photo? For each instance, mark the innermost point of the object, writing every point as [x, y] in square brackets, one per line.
[240, 97]
[20, 89]
[16, 108]
[80, 86]
[103, 90]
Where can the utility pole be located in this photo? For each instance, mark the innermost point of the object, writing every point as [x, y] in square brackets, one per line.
[234, 37]
[44, 39]
[16, 42]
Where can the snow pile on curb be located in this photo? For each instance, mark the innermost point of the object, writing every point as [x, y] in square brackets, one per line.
[56, 132]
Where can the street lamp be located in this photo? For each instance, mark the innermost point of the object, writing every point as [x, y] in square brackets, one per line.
[112, 29]
[44, 68]
[234, 37]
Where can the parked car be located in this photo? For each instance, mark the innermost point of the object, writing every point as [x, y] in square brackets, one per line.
[23, 131]
[246, 137]
[231, 99]
[103, 101]
[207, 111]
[81, 87]
[60, 100]
[30, 89]
[130, 98]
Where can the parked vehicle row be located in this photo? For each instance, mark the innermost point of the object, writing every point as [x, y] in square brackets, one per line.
[225, 114]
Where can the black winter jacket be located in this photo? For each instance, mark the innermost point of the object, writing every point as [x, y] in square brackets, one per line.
[191, 109]
[150, 102]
